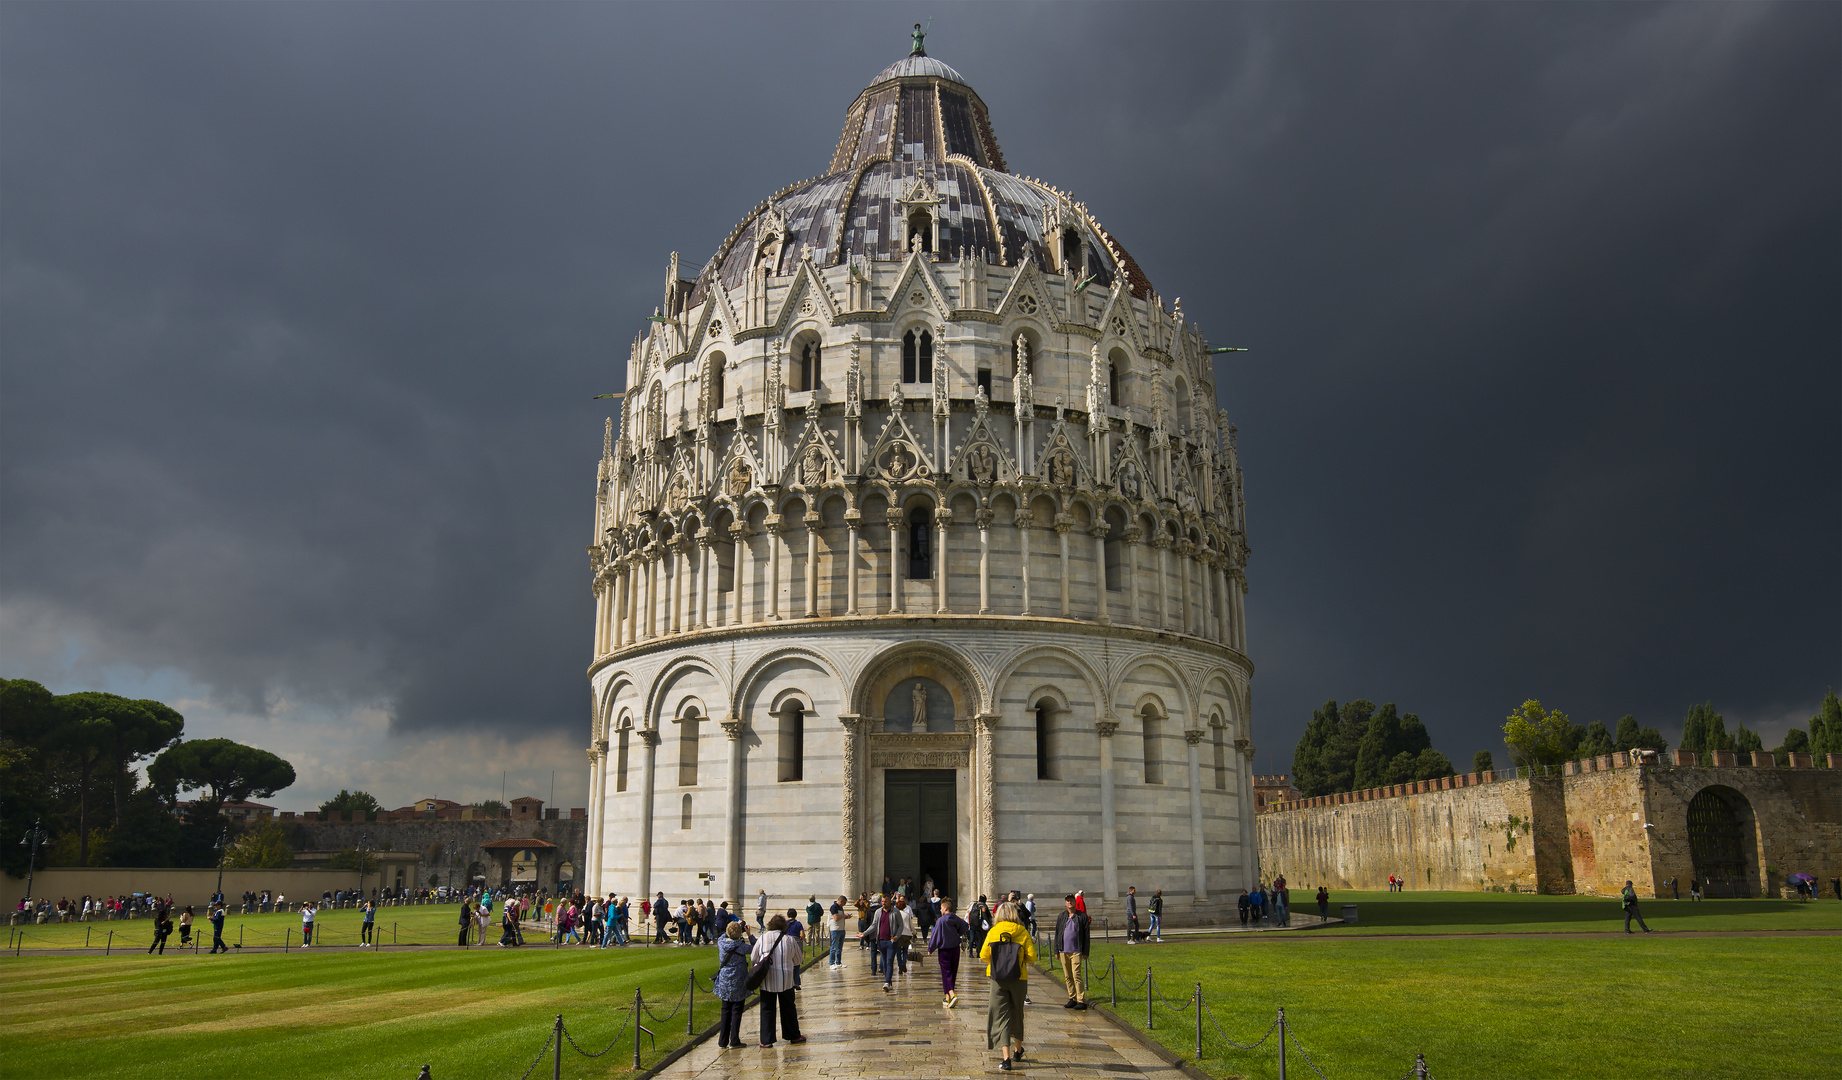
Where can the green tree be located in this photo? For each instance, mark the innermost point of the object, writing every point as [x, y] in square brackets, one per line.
[1628, 734]
[1704, 731]
[1796, 741]
[260, 849]
[1598, 741]
[1380, 744]
[148, 833]
[1745, 741]
[1538, 737]
[227, 771]
[349, 859]
[1430, 764]
[495, 808]
[1340, 751]
[1308, 771]
[355, 802]
[1826, 727]
[26, 714]
[1482, 761]
[101, 732]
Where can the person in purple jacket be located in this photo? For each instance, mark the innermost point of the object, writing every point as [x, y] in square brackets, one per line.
[944, 941]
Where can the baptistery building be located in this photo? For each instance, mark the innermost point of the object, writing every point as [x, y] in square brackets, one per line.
[919, 550]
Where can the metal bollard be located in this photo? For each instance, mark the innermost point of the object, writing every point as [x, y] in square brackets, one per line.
[1419, 1066]
[1147, 999]
[86, 937]
[110, 944]
[1282, 1042]
[1112, 970]
[690, 1005]
[638, 1004]
[556, 1071]
[1198, 1021]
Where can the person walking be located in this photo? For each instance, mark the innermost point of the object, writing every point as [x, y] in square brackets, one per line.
[185, 926]
[1323, 904]
[840, 921]
[1246, 906]
[781, 951]
[367, 925]
[980, 920]
[1131, 914]
[307, 914]
[1157, 914]
[1629, 897]
[466, 920]
[1008, 952]
[163, 929]
[945, 940]
[885, 928]
[217, 930]
[508, 925]
[1282, 904]
[815, 912]
[761, 908]
[482, 917]
[1073, 935]
[731, 983]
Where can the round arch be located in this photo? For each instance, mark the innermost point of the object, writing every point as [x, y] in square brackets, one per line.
[924, 659]
[667, 677]
[744, 687]
[1084, 670]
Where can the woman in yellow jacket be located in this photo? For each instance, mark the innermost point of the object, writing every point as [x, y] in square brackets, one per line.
[1004, 1024]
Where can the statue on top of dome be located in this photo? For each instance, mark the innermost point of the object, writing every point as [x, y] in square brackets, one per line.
[919, 36]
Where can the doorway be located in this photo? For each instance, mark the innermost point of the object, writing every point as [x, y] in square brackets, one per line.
[920, 820]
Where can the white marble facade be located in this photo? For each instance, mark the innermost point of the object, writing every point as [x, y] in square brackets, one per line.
[979, 459]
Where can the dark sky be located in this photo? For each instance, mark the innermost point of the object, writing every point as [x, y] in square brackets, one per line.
[303, 306]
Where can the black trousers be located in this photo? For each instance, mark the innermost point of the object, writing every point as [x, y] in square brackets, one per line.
[364, 932]
[729, 1028]
[217, 941]
[782, 1003]
[1632, 913]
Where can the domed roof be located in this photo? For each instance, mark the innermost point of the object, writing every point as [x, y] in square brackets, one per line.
[915, 67]
[917, 139]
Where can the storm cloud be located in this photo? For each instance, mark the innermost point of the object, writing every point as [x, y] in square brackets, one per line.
[303, 306]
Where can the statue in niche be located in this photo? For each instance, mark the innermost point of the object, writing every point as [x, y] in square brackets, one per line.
[1128, 483]
[812, 467]
[1061, 469]
[981, 464]
[740, 479]
[919, 721]
[678, 493]
[899, 462]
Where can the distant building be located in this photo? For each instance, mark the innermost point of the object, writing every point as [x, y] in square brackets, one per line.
[1271, 792]
[240, 810]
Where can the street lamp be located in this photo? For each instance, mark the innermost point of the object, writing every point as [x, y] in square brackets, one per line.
[223, 851]
[33, 838]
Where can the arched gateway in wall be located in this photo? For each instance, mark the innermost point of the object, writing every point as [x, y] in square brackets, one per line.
[920, 551]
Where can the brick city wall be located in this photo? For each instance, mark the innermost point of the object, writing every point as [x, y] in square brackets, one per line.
[429, 840]
[1600, 823]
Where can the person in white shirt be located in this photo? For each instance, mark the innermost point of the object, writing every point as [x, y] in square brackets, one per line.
[782, 976]
[307, 926]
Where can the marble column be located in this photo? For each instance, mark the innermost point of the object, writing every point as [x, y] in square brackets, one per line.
[680, 561]
[894, 517]
[984, 522]
[733, 814]
[1198, 850]
[648, 774]
[1099, 532]
[1162, 544]
[642, 623]
[852, 519]
[1109, 850]
[601, 611]
[1062, 524]
[943, 517]
[591, 871]
[775, 529]
[1132, 538]
[850, 837]
[706, 576]
[1250, 854]
[811, 521]
[1024, 520]
[987, 728]
[739, 612]
[1186, 611]
[1226, 605]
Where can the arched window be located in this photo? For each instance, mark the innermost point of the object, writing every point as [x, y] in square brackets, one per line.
[717, 386]
[1221, 758]
[620, 761]
[684, 813]
[1047, 768]
[687, 749]
[809, 366]
[921, 224]
[792, 743]
[1115, 576]
[1152, 724]
[917, 357]
[920, 564]
[984, 381]
[1112, 383]
[1071, 251]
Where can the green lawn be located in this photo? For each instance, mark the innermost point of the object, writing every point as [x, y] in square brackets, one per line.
[432, 924]
[1623, 1007]
[478, 1013]
[1475, 913]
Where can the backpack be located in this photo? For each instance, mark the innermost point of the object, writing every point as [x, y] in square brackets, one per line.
[1006, 965]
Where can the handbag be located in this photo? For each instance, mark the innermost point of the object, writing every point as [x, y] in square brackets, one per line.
[758, 973]
[1005, 965]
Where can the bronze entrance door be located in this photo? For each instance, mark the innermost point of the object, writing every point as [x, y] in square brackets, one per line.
[919, 822]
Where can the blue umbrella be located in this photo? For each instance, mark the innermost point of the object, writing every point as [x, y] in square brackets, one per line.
[1805, 878]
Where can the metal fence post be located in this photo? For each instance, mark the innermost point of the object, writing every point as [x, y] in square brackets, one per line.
[287, 935]
[1112, 970]
[556, 1071]
[1198, 1021]
[1282, 1042]
[690, 1005]
[239, 935]
[1147, 999]
[110, 944]
[638, 1004]
[89, 930]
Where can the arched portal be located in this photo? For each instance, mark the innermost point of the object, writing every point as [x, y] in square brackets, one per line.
[1720, 828]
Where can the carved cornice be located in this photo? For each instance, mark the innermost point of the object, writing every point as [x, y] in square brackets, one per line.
[733, 727]
[1106, 728]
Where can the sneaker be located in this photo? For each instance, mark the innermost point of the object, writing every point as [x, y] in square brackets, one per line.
[1005, 1064]
[1081, 1006]
[1069, 1004]
[797, 1039]
[1016, 1055]
[886, 988]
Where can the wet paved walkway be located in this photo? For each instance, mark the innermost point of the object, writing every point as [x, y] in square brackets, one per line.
[853, 1029]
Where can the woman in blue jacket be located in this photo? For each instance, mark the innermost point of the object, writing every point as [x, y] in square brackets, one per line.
[731, 982]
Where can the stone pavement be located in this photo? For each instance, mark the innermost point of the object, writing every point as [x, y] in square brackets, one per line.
[853, 1029]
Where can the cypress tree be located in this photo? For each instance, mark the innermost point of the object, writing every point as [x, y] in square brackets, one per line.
[1628, 737]
[1308, 771]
